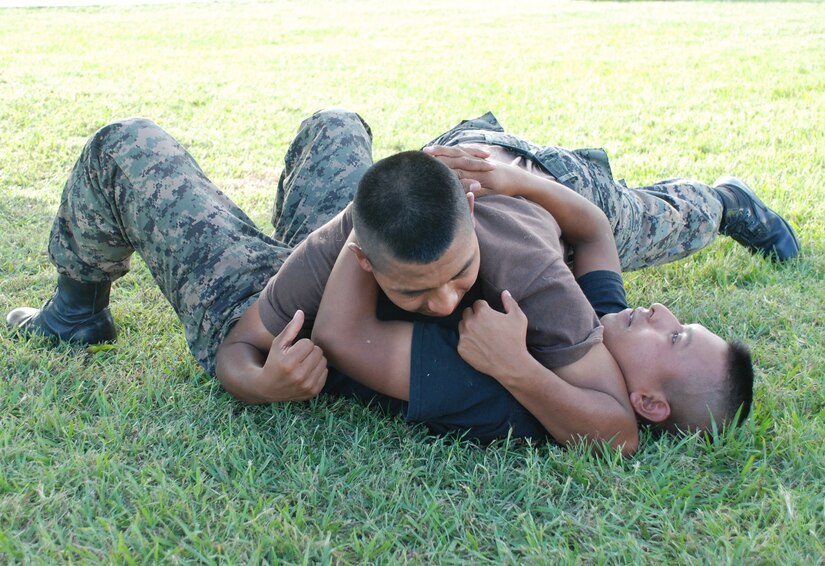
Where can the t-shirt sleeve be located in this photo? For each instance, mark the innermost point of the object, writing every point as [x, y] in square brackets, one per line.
[604, 290]
[300, 282]
[521, 252]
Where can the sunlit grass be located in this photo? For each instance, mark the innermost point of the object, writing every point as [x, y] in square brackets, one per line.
[133, 454]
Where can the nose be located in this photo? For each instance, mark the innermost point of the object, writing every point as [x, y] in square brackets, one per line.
[661, 312]
[443, 301]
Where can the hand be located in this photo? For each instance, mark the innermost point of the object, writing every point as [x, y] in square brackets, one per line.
[478, 174]
[492, 342]
[466, 162]
[293, 372]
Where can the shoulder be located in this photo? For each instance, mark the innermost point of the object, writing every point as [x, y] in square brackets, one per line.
[516, 236]
[501, 218]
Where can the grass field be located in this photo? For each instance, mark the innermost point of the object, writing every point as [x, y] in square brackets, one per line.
[134, 455]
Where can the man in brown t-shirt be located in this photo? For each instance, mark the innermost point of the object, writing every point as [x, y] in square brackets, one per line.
[515, 246]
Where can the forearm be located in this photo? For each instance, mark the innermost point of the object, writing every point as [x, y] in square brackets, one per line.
[586, 399]
[257, 367]
[583, 225]
[375, 353]
[570, 413]
[237, 367]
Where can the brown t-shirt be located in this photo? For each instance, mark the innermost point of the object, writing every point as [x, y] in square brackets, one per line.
[521, 252]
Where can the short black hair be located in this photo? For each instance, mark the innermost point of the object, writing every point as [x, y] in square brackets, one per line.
[408, 207]
[740, 381]
[731, 406]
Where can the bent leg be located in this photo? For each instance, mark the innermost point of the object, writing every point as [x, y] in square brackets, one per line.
[134, 188]
[322, 168]
[672, 219]
[651, 225]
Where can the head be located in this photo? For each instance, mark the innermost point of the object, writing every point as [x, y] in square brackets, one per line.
[414, 227]
[679, 376]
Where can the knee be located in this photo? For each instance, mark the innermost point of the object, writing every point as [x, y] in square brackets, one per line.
[339, 119]
[334, 113]
[120, 131]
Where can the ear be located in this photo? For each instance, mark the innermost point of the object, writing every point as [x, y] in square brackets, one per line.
[359, 255]
[471, 202]
[653, 407]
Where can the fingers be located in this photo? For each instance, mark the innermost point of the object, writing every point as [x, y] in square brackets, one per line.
[290, 332]
[470, 185]
[465, 315]
[508, 302]
[462, 157]
[300, 370]
[314, 366]
[479, 306]
[469, 164]
[511, 306]
[456, 151]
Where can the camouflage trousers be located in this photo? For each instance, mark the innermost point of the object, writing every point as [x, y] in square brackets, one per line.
[652, 225]
[134, 188]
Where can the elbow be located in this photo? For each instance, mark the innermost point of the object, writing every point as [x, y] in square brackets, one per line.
[602, 231]
[626, 443]
[627, 440]
[232, 378]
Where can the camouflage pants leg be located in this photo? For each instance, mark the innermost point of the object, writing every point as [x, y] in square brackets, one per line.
[134, 188]
[651, 225]
[322, 168]
[670, 220]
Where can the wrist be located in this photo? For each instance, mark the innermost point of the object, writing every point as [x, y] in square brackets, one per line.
[529, 187]
[521, 368]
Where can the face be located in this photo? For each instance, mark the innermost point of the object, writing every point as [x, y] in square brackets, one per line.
[651, 346]
[433, 289]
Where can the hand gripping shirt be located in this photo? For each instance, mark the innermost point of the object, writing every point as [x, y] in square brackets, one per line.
[521, 252]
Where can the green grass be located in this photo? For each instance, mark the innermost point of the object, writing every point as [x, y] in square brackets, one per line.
[134, 455]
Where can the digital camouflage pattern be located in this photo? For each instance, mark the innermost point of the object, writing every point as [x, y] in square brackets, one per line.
[652, 225]
[322, 168]
[134, 188]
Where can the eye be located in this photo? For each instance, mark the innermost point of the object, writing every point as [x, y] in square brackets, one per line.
[674, 337]
[411, 294]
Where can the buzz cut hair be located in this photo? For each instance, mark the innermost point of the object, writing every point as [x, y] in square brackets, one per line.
[409, 207]
[740, 382]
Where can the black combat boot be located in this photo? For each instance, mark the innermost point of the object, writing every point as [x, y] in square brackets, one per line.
[78, 312]
[747, 220]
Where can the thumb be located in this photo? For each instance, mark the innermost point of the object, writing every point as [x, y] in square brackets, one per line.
[290, 331]
[470, 185]
[509, 303]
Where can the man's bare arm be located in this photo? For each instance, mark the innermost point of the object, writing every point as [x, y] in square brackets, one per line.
[375, 353]
[586, 400]
[257, 367]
